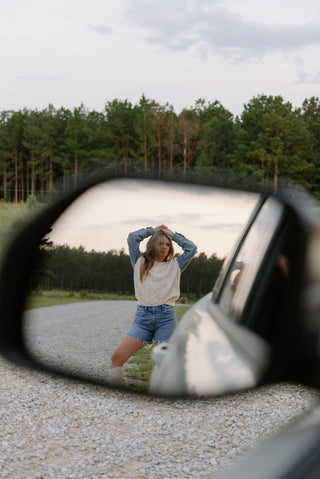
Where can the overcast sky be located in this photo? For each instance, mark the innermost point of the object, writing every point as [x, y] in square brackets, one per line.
[102, 217]
[72, 51]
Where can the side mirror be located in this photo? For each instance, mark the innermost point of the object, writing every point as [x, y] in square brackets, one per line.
[248, 300]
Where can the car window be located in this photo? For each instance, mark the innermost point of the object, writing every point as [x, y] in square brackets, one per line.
[246, 263]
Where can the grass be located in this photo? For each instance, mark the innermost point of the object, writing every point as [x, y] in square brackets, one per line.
[12, 215]
[41, 299]
[139, 367]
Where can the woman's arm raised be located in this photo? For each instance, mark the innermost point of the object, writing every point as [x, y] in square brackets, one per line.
[134, 240]
[189, 250]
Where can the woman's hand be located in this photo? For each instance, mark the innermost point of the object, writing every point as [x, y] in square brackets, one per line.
[165, 230]
[158, 228]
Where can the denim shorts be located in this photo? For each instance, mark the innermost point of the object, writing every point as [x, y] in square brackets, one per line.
[154, 323]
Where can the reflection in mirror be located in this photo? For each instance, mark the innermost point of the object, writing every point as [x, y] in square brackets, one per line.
[82, 301]
[248, 260]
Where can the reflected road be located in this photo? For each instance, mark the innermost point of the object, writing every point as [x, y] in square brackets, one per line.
[79, 337]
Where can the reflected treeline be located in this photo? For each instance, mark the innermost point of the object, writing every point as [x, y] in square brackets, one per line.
[75, 269]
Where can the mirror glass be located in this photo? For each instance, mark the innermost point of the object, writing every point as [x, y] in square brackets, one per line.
[248, 259]
[82, 295]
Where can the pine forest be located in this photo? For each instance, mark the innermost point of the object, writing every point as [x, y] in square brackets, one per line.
[269, 140]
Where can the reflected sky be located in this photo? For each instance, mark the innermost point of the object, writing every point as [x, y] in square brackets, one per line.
[102, 217]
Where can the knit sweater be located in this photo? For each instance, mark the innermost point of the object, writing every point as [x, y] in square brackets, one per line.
[162, 284]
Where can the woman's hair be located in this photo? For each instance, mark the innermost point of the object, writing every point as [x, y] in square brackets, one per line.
[150, 253]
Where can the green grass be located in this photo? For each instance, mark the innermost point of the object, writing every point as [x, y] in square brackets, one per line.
[9, 213]
[139, 367]
[55, 297]
[181, 309]
[12, 215]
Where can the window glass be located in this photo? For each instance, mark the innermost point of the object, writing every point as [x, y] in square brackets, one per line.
[246, 264]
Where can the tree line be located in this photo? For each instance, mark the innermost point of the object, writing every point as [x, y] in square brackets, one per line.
[75, 269]
[269, 140]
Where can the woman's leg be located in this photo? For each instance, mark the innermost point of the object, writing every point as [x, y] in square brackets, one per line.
[128, 346]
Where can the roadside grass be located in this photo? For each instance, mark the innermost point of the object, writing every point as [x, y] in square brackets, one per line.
[139, 367]
[12, 215]
[41, 299]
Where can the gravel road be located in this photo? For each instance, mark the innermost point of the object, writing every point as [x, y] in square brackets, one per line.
[54, 428]
[80, 335]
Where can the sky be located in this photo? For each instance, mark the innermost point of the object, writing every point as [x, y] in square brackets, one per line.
[91, 52]
[102, 218]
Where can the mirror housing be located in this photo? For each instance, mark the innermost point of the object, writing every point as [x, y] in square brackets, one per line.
[292, 352]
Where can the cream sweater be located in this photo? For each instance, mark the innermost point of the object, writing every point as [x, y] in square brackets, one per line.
[161, 286]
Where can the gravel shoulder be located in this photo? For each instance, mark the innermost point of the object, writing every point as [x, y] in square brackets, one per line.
[55, 428]
[80, 335]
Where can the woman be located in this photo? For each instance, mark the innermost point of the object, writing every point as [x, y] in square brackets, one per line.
[157, 288]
